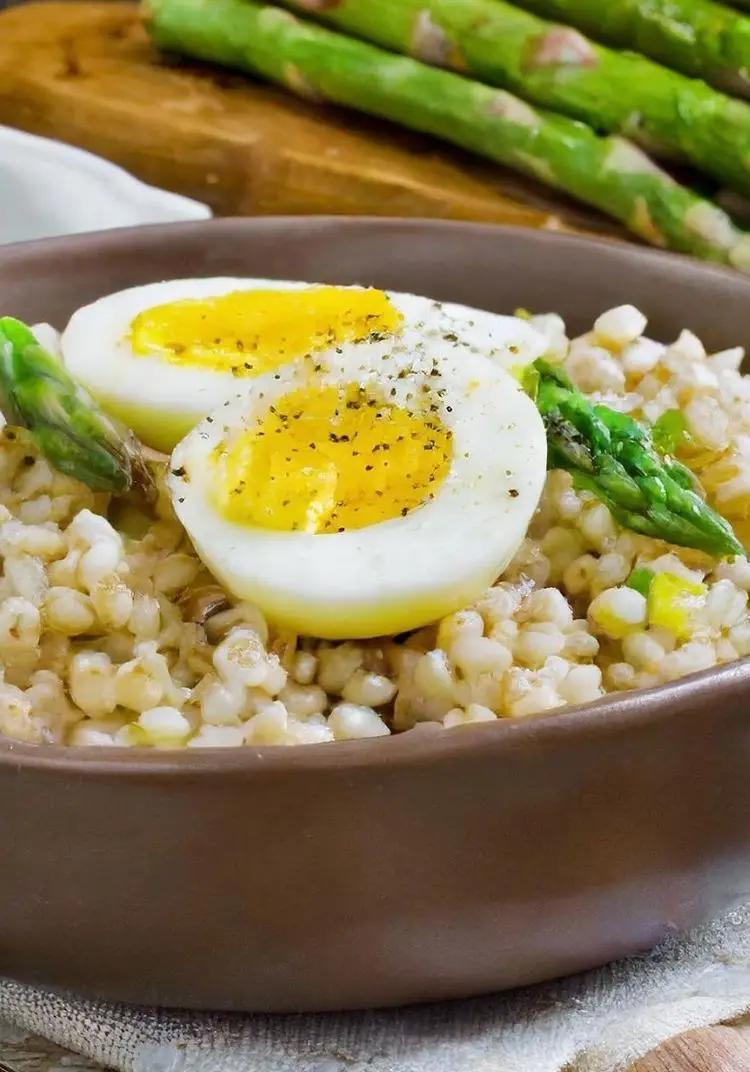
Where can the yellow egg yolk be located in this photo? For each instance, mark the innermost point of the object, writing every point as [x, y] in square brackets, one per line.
[329, 459]
[249, 332]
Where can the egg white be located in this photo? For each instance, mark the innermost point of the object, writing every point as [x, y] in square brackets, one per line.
[161, 400]
[400, 573]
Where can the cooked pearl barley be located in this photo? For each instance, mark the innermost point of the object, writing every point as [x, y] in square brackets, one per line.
[118, 646]
[593, 368]
[563, 545]
[368, 690]
[728, 360]
[687, 345]
[16, 719]
[101, 560]
[304, 667]
[36, 478]
[433, 676]
[643, 651]
[302, 701]
[275, 677]
[20, 624]
[47, 694]
[164, 725]
[560, 627]
[641, 356]
[598, 526]
[89, 528]
[531, 564]
[175, 573]
[478, 655]
[555, 669]
[739, 635]
[547, 605]
[618, 611]
[538, 699]
[136, 688]
[45, 543]
[84, 736]
[26, 576]
[64, 572]
[725, 606]
[218, 625]
[350, 722]
[92, 683]
[145, 618]
[581, 684]
[552, 327]
[68, 611]
[268, 726]
[707, 423]
[36, 511]
[307, 733]
[336, 665]
[620, 676]
[725, 650]
[473, 714]
[242, 658]
[670, 563]
[688, 659]
[611, 569]
[113, 601]
[737, 571]
[218, 737]
[534, 646]
[578, 575]
[486, 689]
[222, 704]
[467, 623]
[619, 326]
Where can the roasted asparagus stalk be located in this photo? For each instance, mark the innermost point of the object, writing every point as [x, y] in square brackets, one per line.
[607, 172]
[700, 37]
[557, 67]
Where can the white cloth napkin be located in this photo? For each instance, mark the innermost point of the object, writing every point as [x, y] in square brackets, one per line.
[599, 1021]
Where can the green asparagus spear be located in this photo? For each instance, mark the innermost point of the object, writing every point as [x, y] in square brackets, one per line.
[609, 173]
[69, 428]
[556, 67]
[700, 37]
[613, 456]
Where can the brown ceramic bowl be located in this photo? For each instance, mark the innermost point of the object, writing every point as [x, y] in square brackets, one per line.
[430, 865]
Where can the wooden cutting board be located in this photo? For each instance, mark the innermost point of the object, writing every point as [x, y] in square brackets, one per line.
[86, 73]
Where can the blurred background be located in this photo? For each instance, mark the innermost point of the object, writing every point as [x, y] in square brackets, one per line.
[561, 120]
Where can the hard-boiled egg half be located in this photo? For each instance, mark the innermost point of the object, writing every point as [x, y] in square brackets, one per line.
[162, 356]
[366, 492]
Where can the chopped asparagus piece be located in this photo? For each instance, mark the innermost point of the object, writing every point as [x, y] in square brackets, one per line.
[612, 456]
[67, 425]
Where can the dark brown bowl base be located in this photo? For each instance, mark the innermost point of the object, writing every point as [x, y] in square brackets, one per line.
[431, 865]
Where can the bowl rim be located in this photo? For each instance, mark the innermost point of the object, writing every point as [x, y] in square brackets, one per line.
[426, 742]
[423, 745]
[617, 249]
